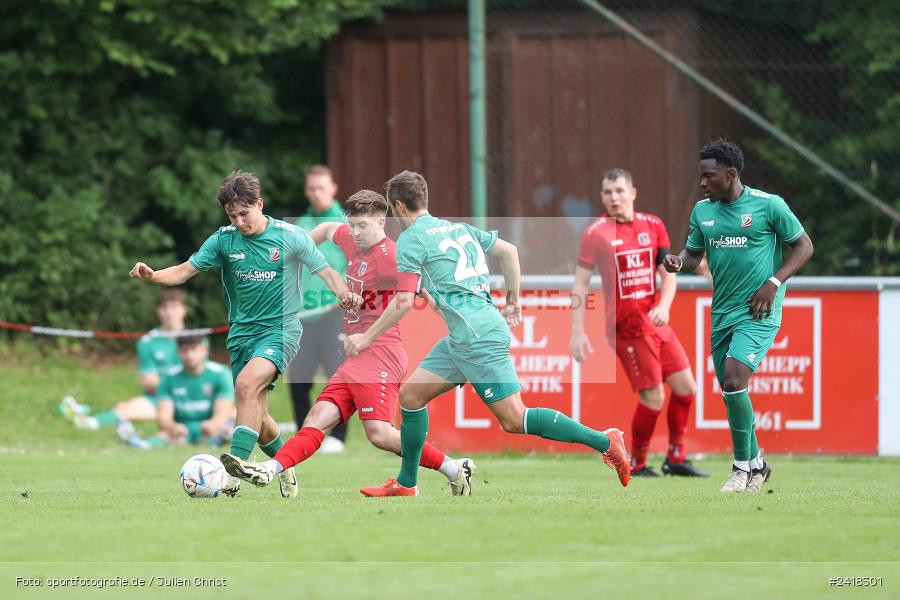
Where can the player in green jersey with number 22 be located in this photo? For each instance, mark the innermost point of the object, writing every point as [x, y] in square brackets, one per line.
[449, 259]
[741, 230]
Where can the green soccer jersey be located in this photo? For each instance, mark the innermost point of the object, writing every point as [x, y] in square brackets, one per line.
[156, 353]
[195, 395]
[317, 298]
[742, 241]
[450, 260]
[260, 273]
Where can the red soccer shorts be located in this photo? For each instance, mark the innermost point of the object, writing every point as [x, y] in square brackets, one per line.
[649, 360]
[368, 383]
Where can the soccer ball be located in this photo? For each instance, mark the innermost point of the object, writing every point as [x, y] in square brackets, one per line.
[203, 476]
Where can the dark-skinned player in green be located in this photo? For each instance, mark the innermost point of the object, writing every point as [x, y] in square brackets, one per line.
[740, 231]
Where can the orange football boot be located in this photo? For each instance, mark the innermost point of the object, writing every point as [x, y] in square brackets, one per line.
[390, 488]
[616, 457]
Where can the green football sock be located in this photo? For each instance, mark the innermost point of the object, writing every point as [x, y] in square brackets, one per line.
[107, 417]
[156, 441]
[740, 420]
[754, 445]
[413, 431]
[554, 425]
[272, 447]
[243, 439]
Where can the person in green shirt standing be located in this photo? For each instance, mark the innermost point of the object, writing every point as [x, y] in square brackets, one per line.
[740, 231]
[322, 320]
[259, 258]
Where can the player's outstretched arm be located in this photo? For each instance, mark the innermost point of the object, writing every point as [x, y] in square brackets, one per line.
[685, 261]
[508, 256]
[579, 344]
[324, 232]
[401, 303]
[170, 276]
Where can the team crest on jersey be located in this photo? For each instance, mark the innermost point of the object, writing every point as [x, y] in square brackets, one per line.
[207, 389]
[747, 220]
[644, 239]
[362, 268]
[274, 254]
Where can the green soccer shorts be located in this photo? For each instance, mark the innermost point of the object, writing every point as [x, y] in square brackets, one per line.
[746, 342]
[278, 346]
[486, 364]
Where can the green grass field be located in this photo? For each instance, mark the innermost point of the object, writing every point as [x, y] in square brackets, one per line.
[537, 526]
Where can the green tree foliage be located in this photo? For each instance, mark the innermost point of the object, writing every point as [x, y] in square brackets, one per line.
[862, 40]
[121, 117]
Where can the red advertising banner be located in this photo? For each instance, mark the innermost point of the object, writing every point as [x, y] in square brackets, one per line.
[816, 391]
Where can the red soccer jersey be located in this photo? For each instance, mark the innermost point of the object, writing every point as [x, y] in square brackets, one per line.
[371, 273]
[626, 255]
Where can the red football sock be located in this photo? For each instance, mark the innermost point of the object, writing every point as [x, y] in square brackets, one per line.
[641, 431]
[432, 458]
[300, 447]
[677, 416]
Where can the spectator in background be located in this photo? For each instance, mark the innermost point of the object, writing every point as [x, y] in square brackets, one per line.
[322, 318]
[156, 352]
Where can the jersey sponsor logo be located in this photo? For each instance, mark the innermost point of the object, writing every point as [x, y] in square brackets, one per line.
[367, 409]
[747, 220]
[256, 275]
[751, 357]
[636, 277]
[728, 241]
[443, 228]
[237, 256]
[362, 268]
[488, 392]
[269, 351]
[760, 194]
[180, 391]
[195, 405]
[274, 254]
[644, 238]
[709, 223]
[159, 355]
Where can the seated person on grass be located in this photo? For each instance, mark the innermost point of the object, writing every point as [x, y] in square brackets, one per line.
[195, 399]
[156, 352]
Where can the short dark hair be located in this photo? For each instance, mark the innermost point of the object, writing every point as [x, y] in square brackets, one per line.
[725, 153]
[189, 340]
[241, 188]
[319, 170]
[172, 295]
[365, 202]
[614, 174]
[409, 188]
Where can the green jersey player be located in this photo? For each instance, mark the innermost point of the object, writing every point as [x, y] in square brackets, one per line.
[449, 259]
[195, 398]
[259, 258]
[740, 231]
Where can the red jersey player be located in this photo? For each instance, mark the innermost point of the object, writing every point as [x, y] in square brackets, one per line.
[369, 382]
[628, 248]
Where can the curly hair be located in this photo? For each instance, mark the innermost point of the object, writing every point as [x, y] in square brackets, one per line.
[725, 153]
